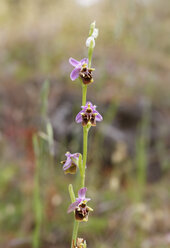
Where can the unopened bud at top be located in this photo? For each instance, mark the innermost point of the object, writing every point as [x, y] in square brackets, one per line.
[92, 27]
[93, 34]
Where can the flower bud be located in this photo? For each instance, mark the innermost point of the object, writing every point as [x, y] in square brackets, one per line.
[95, 33]
[92, 27]
[90, 42]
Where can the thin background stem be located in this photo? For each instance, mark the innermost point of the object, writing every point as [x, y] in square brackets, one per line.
[37, 200]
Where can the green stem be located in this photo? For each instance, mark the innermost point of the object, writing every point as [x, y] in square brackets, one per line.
[84, 93]
[75, 231]
[85, 141]
[90, 53]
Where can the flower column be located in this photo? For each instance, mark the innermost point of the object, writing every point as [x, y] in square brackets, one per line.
[88, 117]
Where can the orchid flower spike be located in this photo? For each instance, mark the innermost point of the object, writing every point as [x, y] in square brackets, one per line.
[88, 115]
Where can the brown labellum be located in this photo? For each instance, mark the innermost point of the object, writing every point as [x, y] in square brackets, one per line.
[86, 75]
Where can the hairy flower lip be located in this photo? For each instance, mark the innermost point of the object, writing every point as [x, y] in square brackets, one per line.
[86, 75]
[82, 212]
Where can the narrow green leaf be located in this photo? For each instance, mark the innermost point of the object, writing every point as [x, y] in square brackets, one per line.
[71, 192]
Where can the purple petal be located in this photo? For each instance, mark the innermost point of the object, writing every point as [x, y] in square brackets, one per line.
[75, 155]
[87, 199]
[83, 108]
[87, 103]
[82, 193]
[75, 73]
[79, 117]
[73, 206]
[74, 62]
[84, 61]
[86, 106]
[93, 107]
[68, 154]
[98, 116]
[67, 163]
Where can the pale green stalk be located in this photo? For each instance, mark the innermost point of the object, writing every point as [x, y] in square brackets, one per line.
[85, 142]
[84, 93]
[80, 165]
[90, 52]
[75, 231]
[44, 99]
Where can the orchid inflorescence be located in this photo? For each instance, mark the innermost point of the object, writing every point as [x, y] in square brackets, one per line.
[88, 117]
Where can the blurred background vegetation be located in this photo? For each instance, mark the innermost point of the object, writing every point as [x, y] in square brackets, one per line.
[128, 154]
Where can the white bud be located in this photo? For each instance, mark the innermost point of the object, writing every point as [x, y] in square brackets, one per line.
[92, 27]
[90, 42]
[95, 33]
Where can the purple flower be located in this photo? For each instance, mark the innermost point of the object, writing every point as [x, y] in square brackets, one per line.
[71, 163]
[88, 115]
[80, 206]
[78, 66]
[81, 199]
